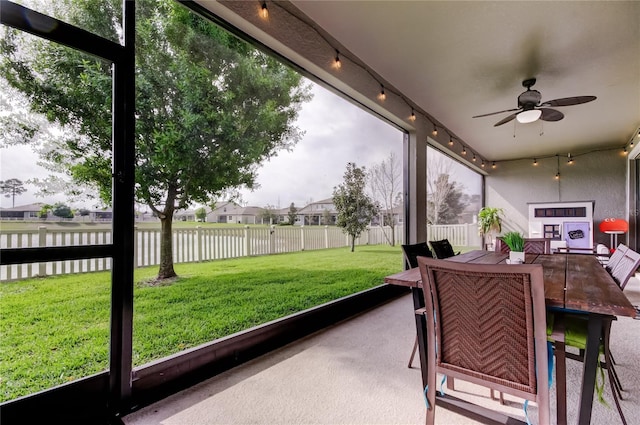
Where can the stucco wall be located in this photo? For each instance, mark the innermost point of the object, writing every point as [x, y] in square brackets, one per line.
[599, 176]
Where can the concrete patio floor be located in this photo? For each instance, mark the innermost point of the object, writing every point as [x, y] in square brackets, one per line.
[356, 373]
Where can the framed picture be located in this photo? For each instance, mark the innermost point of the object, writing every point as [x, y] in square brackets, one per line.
[577, 234]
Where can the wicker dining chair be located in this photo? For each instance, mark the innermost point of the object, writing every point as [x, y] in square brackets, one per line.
[531, 246]
[411, 253]
[442, 249]
[500, 345]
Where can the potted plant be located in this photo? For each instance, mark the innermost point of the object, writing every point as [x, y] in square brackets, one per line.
[515, 241]
[489, 223]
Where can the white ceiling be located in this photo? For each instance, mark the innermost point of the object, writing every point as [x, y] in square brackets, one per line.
[457, 59]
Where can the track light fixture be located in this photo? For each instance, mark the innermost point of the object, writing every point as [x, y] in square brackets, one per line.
[435, 130]
[264, 12]
[569, 159]
[336, 63]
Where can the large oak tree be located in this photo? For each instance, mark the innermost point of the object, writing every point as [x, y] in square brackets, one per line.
[209, 107]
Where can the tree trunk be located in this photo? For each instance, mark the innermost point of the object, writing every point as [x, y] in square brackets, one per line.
[353, 242]
[166, 245]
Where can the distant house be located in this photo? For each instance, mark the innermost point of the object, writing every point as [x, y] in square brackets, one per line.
[104, 214]
[230, 212]
[318, 213]
[21, 212]
[185, 215]
[396, 212]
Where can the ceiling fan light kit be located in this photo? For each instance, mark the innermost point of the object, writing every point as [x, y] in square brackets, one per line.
[531, 115]
[530, 108]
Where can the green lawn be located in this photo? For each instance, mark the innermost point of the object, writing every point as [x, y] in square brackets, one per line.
[56, 329]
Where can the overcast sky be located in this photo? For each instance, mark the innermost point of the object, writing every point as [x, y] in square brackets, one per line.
[336, 132]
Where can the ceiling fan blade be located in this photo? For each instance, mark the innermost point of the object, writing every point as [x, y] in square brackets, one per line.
[506, 119]
[493, 113]
[549, 114]
[568, 101]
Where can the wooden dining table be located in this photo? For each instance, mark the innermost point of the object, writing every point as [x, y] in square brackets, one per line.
[571, 281]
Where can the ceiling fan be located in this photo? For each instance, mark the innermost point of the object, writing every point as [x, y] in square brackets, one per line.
[530, 109]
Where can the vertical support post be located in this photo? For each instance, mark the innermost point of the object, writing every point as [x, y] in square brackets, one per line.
[302, 238]
[121, 344]
[326, 237]
[199, 243]
[42, 242]
[247, 244]
[272, 239]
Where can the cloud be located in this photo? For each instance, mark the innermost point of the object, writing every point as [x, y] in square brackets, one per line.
[336, 132]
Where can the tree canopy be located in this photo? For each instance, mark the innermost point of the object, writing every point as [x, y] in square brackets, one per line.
[355, 208]
[209, 107]
[12, 187]
[385, 180]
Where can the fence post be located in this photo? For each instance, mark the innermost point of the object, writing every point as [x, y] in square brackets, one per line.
[246, 241]
[42, 242]
[199, 242]
[326, 237]
[136, 246]
[302, 238]
[272, 239]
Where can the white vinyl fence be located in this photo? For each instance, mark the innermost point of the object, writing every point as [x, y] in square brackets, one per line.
[205, 244]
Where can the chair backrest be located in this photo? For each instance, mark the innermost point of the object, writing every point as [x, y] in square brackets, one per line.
[413, 251]
[537, 245]
[531, 246]
[501, 246]
[442, 249]
[616, 257]
[625, 267]
[486, 324]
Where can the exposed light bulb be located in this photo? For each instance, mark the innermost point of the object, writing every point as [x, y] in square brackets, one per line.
[264, 12]
[569, 160]
[631, 144]
[382, 95]
[624, 151]
[464, 150]
[413, 115]
[474, 158]
[435, 130]
[557, 176]
[450, 141]
[493, 165]
[482, 165]
[337, 64]
[535, 162]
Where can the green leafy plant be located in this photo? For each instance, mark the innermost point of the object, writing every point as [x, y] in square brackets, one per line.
[515, 241]
[489, 220]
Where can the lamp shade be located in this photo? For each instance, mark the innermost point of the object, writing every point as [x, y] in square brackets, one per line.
[614, 226]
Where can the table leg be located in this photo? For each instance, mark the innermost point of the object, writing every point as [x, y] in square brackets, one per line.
[421, 324]
[591, 358]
